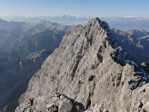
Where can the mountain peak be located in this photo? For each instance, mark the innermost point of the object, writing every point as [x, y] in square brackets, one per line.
[96, 22]
[88, 65]
[95, 19]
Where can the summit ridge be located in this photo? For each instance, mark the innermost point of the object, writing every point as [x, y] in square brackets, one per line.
[90, 67]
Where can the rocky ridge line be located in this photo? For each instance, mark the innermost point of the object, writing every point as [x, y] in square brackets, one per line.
[91, 68]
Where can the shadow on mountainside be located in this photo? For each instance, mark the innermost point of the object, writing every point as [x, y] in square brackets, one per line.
[18, 77]
[120, 56]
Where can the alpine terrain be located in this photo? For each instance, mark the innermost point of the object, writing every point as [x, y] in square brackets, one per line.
[91, 71]
[23, 49]
[18, 40]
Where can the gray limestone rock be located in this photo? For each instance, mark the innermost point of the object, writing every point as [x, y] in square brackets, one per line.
[65, 105]
[91, 68]
[58, 103]
[52, 108]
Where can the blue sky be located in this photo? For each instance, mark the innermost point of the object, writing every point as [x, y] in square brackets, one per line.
[100, 8]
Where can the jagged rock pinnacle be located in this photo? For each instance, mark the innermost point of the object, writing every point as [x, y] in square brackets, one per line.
[95, 19]
[97, 23]
[94, 22]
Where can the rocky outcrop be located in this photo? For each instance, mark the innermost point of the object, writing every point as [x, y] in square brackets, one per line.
[58, 103]
[15, 74]
[91, 68]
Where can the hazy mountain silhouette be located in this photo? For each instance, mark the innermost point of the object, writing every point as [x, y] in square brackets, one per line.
[5, 25]
[21, 40]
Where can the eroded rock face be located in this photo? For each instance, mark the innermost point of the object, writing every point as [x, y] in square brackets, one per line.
[92, 68]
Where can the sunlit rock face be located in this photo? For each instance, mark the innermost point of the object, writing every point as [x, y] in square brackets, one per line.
[90, 68]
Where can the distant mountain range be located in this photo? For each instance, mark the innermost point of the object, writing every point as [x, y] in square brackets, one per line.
[18, 39]
[123, 23]
[5, 25]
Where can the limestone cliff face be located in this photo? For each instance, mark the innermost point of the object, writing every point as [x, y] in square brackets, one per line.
[91, 68]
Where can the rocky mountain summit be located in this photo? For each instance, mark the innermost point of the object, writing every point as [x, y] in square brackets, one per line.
[89, 68]
[15, 74]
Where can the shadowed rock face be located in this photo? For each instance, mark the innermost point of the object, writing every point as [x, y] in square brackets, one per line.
[91, 68]
[137, 33]
[15, 74]
[135, 42]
